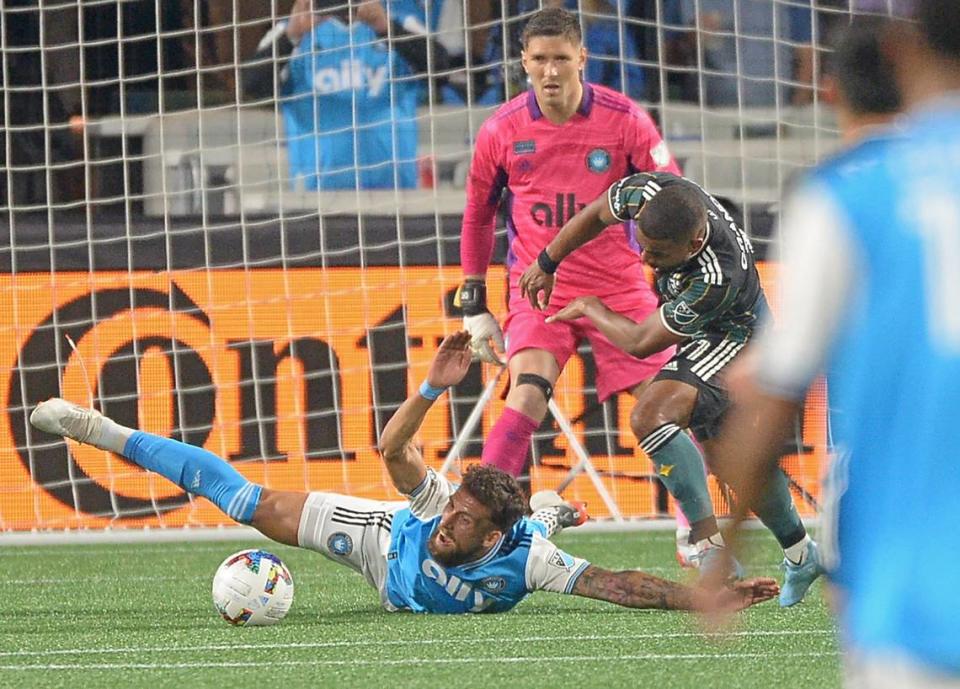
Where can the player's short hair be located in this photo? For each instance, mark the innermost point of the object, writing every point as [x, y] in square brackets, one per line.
[940, 23]
[863, 72]
[498, 491]
[552, 21]
[675, 213]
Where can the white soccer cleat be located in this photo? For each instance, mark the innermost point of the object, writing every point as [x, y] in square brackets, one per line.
[545, 498]
[59, 417]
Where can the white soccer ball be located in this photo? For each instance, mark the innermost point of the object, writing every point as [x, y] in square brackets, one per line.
[252, 588]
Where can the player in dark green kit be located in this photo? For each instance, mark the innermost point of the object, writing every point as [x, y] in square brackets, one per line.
[711, 301]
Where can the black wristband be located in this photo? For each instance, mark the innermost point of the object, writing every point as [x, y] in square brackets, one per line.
[547, 264]
[473, 297]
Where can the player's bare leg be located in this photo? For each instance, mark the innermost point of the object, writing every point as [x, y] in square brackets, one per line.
[533, 373]
[278, 515]
[659, 420]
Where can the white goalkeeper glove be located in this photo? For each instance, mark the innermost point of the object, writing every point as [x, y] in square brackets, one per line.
[480, 323]
[483, 329]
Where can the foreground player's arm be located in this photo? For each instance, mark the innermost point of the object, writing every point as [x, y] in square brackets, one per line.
[635, 589]
[639, 339]
[400, 455]
[581, 228]
[621, 203]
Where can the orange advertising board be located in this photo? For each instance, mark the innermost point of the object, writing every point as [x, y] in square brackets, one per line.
[288, 374]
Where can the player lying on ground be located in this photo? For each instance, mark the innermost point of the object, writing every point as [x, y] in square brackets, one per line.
[711, 301]
[449, 550]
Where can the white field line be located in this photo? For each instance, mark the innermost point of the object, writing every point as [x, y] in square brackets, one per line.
[79, 546]
[235, 533]
[298, 576]
[424, 661]
[407, 643]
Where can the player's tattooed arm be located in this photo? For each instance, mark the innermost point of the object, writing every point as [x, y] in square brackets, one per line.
[635, 589]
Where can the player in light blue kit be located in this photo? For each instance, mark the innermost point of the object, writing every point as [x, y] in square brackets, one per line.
[449, 550]
[871, 290]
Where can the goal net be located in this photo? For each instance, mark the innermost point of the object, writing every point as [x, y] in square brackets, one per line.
[171, 255]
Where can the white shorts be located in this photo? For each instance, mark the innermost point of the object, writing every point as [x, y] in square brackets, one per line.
[891, 671]
[351, 531]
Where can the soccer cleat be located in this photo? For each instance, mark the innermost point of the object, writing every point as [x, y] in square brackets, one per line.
[572, 513]
[59, 417]
[569, 512]
[686, 551]
[798, 578]
[709, 559]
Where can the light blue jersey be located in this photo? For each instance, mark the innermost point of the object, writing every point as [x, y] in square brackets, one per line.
[894, 377]
[523, 561]
[349, 112]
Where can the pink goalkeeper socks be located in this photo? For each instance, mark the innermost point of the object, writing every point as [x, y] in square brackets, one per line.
[508, 442]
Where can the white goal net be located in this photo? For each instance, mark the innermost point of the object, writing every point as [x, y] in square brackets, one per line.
[163, 208]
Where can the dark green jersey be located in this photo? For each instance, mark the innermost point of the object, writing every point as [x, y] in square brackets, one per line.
[717, 291]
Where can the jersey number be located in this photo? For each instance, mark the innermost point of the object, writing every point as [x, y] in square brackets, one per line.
[939, 228]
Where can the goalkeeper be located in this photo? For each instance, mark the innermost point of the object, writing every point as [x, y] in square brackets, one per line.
[711, 300]
[448, 550]
[545, 154]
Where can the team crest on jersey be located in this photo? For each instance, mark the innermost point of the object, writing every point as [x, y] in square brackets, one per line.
[340, 544]
[598, 160]
[524, 147]
[493, 584]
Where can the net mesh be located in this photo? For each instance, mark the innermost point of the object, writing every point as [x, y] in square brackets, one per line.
[160, 208]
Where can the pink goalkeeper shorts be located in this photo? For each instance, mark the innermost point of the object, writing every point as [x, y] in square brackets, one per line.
[616, 370]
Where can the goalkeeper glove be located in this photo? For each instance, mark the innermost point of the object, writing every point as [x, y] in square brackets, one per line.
[479, 322]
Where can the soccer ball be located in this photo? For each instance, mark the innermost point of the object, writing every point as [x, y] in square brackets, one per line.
[252, 587]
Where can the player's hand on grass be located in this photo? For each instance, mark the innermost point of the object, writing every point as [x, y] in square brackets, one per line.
[451, 362]
[486, 340]
[578, 308]
[717, 603]
[536, 286]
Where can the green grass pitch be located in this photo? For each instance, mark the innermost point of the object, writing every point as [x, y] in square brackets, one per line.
[140, 615]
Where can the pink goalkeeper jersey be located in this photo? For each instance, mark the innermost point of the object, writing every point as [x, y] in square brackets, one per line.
[552, 171]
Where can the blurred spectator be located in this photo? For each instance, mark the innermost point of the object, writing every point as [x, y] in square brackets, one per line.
[611, 42]
[751, 52]
[464, 38]
[348, 102]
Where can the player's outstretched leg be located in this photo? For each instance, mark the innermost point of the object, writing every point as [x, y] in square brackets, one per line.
[192, 468]
[801, 557]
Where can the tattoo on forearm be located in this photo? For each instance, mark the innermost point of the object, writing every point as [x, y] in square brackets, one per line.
[633, 589]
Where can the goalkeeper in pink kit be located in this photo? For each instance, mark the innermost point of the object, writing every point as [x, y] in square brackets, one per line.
[543, 156]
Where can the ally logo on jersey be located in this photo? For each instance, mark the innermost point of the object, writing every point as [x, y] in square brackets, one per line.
[351, 75]
[564, 207]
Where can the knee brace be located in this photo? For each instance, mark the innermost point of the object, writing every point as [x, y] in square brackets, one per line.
[537, 381]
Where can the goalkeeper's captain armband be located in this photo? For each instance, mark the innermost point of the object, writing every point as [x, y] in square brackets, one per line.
[472, 297]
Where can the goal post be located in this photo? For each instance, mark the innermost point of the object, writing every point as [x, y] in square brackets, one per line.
[153, 213]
